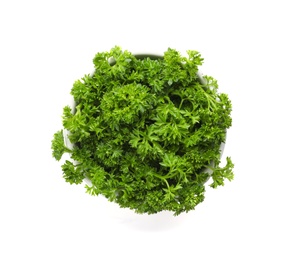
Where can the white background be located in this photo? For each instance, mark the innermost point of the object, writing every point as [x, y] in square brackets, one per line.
[46, 45]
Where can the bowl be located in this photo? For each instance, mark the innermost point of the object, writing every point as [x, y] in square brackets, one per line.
[150, 55]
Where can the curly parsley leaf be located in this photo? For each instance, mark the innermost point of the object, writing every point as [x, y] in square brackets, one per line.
[220, 174]
[58, 145]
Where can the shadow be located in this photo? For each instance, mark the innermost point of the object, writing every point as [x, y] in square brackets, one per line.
[162, 221]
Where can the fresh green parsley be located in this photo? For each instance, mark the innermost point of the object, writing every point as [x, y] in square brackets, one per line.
[145, 130]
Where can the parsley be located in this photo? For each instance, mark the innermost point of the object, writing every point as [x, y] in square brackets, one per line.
[145, 130]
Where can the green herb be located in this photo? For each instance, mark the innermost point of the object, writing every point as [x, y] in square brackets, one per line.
[146, 130]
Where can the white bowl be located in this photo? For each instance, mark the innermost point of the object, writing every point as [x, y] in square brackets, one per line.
[69, 145]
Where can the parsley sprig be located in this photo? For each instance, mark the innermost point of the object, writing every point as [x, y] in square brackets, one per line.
[145, 130]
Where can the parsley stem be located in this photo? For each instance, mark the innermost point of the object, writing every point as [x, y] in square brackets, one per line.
[181, 103]
[162, 178]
